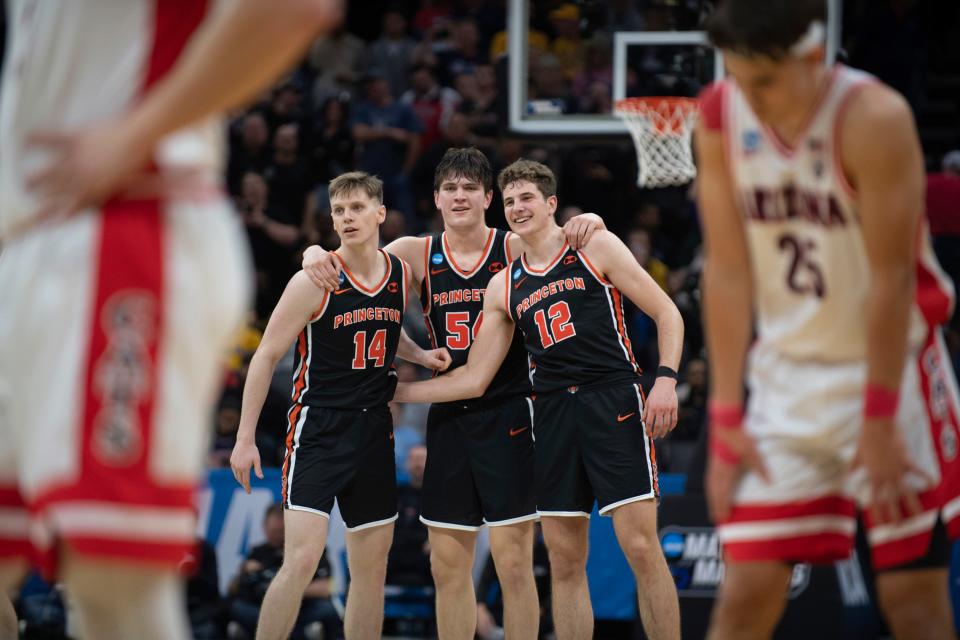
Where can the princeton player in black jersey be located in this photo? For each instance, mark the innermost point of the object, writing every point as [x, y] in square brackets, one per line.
[593, 429]
[339, 432]
[480, 453]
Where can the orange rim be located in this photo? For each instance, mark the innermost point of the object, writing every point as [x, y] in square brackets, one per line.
[668, 114]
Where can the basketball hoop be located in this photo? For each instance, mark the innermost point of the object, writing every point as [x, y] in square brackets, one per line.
[661, 130]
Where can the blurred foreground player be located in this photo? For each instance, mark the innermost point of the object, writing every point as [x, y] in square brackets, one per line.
[339, 431]
[594, 431]
[811, 187]
[123, 276]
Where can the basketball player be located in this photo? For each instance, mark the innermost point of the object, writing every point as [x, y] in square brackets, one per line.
[811, 188]
[480, 468]
[126, 308]
[593, 430]
[340, 433]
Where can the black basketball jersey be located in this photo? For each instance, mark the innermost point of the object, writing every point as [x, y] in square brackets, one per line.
[345, 355]
[572, 322]
[453, 309]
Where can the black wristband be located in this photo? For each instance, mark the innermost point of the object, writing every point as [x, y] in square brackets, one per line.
[666, 372]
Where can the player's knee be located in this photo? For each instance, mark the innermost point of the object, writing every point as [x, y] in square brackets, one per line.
[567, 561]
[642, 551]
[449, 566]
[301, 563]
[514, 569]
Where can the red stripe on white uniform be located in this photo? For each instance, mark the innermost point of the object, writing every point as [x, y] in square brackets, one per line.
[819, 530]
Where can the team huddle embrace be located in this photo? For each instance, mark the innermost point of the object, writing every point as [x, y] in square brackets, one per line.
[528, 342]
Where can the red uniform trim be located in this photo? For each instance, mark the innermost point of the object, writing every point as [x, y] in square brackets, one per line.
[711, 105]
[816, 548]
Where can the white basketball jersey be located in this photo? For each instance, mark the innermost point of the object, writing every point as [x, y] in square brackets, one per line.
[71, 63]
[809, 261]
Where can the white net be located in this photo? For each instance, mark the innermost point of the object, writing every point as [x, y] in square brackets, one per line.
[661, 129]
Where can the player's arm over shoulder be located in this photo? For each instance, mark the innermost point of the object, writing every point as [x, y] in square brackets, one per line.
[412, 250]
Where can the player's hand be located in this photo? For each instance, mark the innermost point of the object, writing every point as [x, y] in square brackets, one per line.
[660, 410]
[437, 359]
[882, 454]
[579, 229]
[723, 476]
[322, 268]
[86, 167]
[244, 456]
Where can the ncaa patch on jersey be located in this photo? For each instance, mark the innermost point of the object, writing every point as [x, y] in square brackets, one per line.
[751, 141]
[436, 258]
[516, 274]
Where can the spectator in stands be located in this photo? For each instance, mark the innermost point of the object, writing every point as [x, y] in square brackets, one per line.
[261, 565]
[692, 398]
[490, 17]
[593, 83]
[409, 561]
[204, 605]
[338, 62]
[273, 237]
[432, 15]
[389, 133]
[250, 152]
[549, 84]
[432, 103]
[479, 104]
[331, 152]
[288, 176]
[639, 243]
[567, 45]
[392, 52]
[225, 430]
[284, 106]
[464, 54]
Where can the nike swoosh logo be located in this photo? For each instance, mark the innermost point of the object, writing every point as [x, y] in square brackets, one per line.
[517, 431]
[626, 417]
[519, 282]
[434, 272]
[339, 291]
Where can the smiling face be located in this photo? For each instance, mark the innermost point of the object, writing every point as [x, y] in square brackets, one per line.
[356, 217]
[461, 202]
[527, 211]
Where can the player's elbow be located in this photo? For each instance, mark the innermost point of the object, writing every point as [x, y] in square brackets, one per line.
[893, 281]
[667, 317]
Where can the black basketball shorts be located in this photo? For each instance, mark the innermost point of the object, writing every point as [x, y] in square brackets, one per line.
[479, 464]
[344, 455]
[591, 445]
